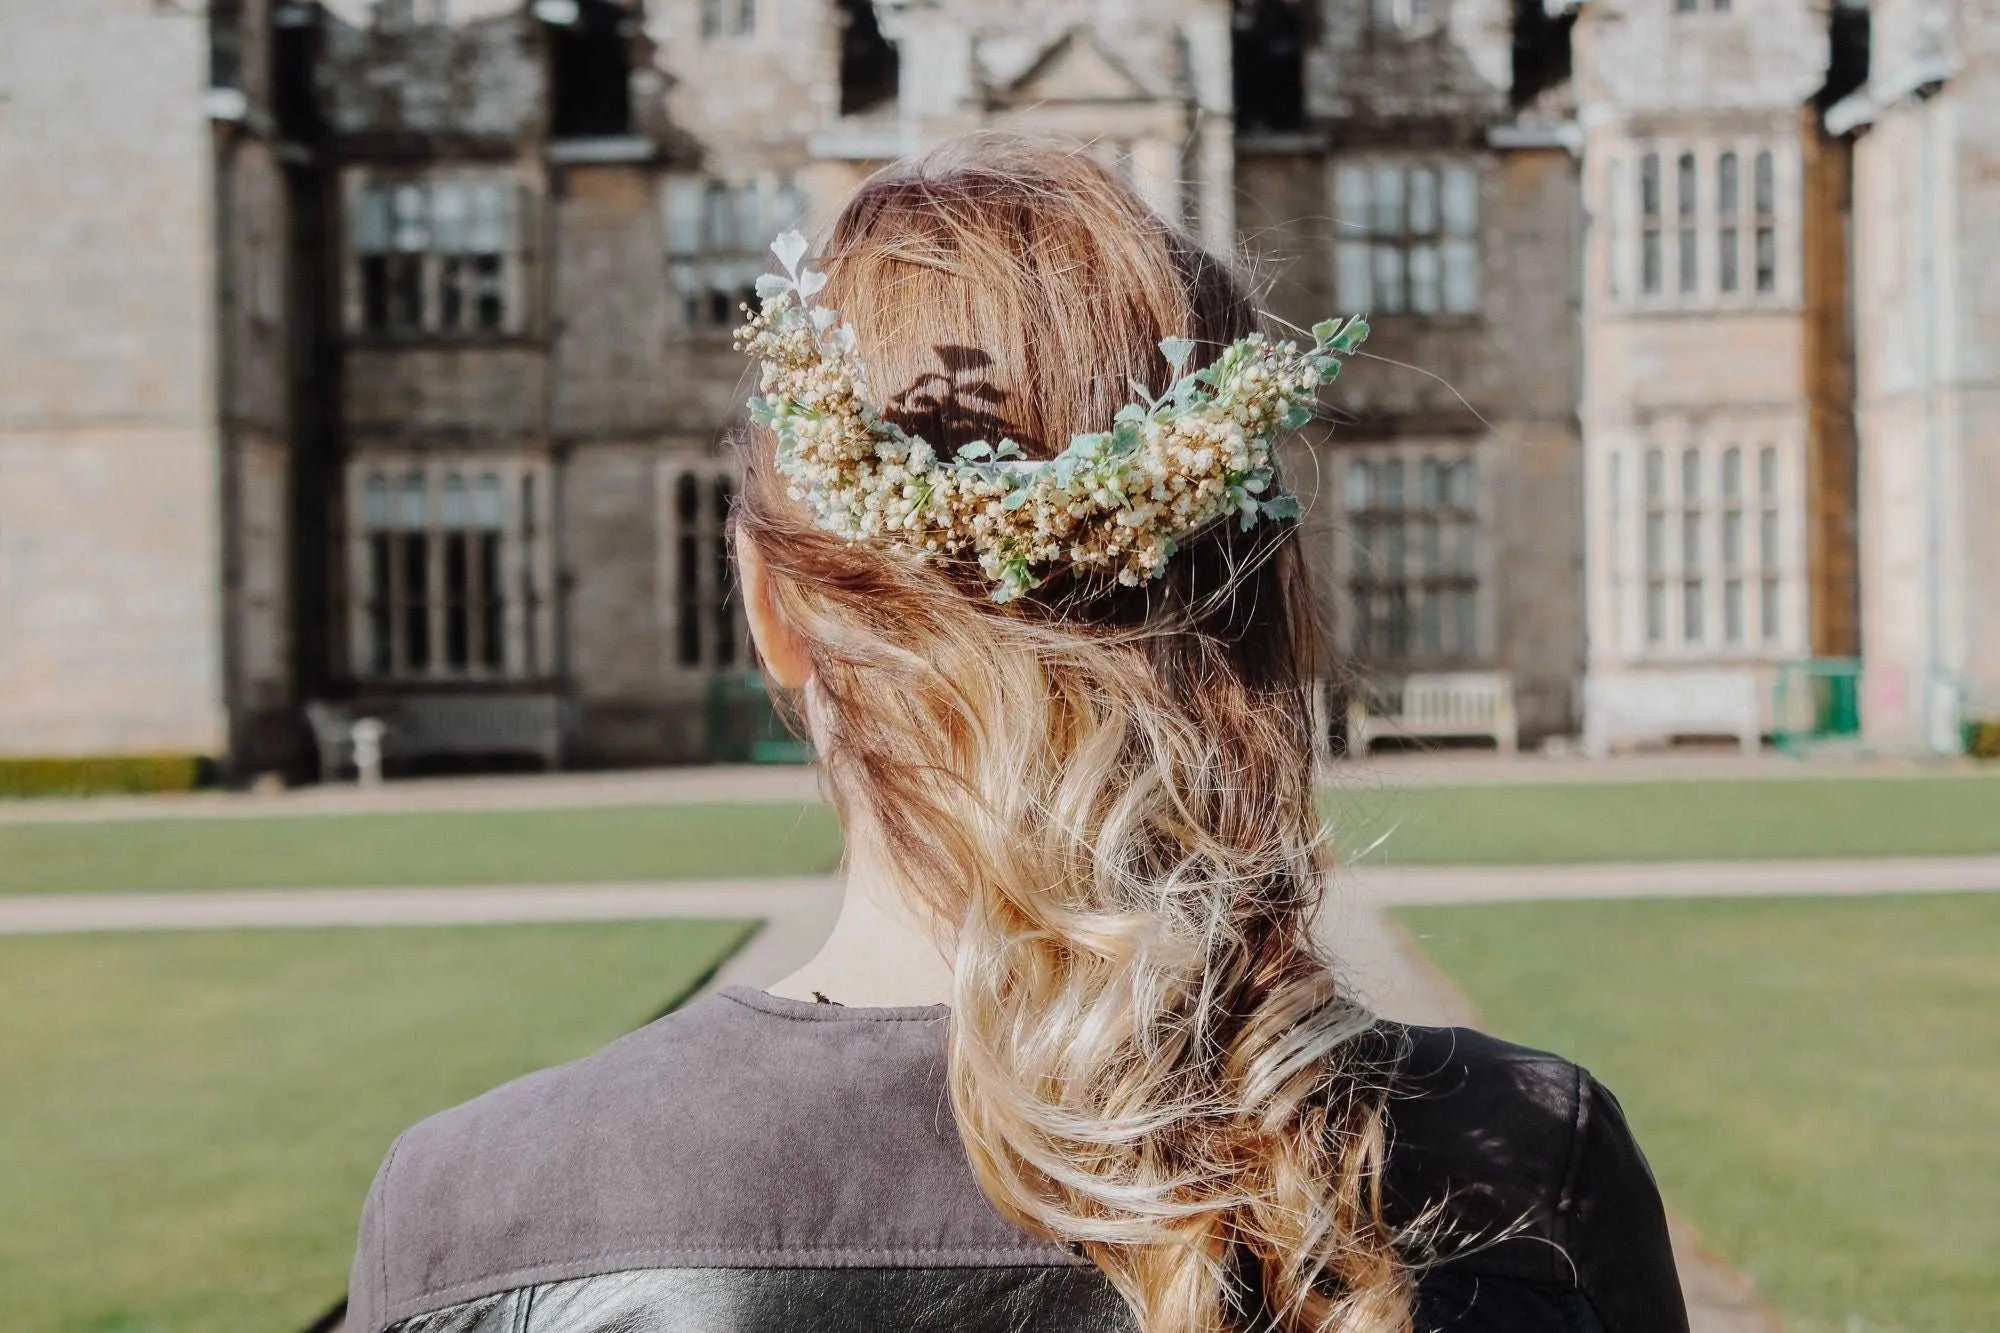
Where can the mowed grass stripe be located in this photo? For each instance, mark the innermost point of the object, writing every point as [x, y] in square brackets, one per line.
[1816, 1082]
[580, 846]
[1378, 823]
[188, 1123]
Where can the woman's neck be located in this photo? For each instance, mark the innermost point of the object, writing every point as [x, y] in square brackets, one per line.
[879, 955]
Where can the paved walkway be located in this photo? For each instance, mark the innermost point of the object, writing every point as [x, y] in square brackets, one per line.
[1366, 888]
[667, 786]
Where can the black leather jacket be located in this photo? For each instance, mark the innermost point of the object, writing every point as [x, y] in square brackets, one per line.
[753, 1163]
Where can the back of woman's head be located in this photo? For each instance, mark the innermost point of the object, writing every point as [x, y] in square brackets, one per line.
[1100, 795]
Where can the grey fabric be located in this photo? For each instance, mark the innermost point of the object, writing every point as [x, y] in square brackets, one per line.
[784, 1143]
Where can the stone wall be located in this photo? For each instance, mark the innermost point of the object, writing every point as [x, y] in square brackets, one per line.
[110, 614]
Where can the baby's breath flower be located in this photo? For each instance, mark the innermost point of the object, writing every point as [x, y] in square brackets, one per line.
[1121, 501]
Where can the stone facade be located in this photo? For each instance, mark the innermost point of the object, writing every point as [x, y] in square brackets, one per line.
[1926, 131]
[1717, 437]
[416, 367]
[111, 637]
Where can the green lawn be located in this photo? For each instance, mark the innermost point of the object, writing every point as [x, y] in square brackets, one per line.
[1671, 821]
[188, 1122]
[444, 847]
[1817, 1082]
[1852, 817]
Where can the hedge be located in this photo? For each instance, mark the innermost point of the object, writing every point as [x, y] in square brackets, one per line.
[1982, 739]
[105, 775]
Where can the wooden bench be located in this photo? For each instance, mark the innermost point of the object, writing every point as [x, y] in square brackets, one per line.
[1661, 706]
[443, 725]
[1460, 705]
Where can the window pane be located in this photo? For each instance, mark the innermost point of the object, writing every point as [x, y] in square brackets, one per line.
[374, 223]
[416, 607]
[1426, 280]
[379, 657]
[1732, 472]
[1423, 201]
[790, 208]
[1351, 197]
[1727, 185]
[1767, 539]
[1767, 260]
[1388, 278]
[1650, 263]
[454, 502]
[492, 220]
[1729, 244]
[1691, 476]
[1732, 539]
[412, 219]
[1649, 185]
[489, 503]
[1692, 629]
[1768, 610]
[413, 513]
[1656, 612]
[451, 217]
[1684, 188]
[1355, 275]
[1360, 486]
[1691, 541]
[1732, 610]
[1461, 277]
[1461, 201]
[1766, 186]
[1690, 277]
[1614, 210]
[684, 213]
[1392, 484]
[376, 507]
[750, 237]
[718, 227]
[1656, 541]
[1464, 484]
[1430, 484]
[1656, 474]
[1387, 218]
[1767, 472]
[493, 630]
[458, 602]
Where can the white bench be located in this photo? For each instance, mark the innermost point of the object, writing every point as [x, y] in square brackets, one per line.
[420, 726]
[1661, 706]
[1461, 705]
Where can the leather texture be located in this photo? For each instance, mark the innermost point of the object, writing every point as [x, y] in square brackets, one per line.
[753, 1164]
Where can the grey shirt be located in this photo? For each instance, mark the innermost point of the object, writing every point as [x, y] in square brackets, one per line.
[751, 1162]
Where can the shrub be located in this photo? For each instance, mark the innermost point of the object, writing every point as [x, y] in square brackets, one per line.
[1982, 739]
[99, 775]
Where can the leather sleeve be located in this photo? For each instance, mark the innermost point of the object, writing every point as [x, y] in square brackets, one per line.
[1614, 1224]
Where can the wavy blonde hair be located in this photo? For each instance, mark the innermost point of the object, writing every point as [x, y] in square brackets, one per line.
[1102, 797]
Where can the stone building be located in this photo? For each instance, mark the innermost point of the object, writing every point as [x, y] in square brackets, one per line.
[1414, 161]
[112, 620]
[409, 374]
[1716, 406]
[1926, 135]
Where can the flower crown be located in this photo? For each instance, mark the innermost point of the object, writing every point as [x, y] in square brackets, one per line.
[1121, 501]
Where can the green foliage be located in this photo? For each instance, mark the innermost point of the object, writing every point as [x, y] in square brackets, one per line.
[104, 775]
[1982, 739]
[1816, 1082]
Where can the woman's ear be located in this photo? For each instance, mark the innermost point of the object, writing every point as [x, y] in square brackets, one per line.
[778, 644]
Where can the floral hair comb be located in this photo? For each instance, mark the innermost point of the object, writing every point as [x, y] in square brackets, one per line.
[1120, 501]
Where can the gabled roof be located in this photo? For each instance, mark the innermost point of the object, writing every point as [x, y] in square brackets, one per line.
[1075, 67]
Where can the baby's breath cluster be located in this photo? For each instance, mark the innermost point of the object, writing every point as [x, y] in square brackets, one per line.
[1119, 502]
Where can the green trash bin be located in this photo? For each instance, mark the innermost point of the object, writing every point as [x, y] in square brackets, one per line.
[1818, 703]
[745, 727]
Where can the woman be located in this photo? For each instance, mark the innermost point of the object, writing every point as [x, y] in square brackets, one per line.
[1072, 1058]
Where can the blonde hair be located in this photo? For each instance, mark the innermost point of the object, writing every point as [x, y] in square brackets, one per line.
[1102, 796]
